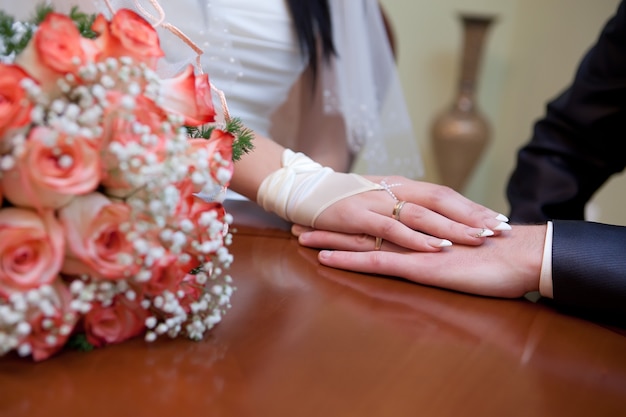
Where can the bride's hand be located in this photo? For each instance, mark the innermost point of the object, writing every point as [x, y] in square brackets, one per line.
[422, 217]
[415, 215]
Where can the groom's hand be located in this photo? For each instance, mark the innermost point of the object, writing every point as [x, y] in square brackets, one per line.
[503, 266]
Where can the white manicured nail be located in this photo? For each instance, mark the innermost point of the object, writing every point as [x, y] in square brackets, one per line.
[502, 218]
[502, 226]
[480, 232]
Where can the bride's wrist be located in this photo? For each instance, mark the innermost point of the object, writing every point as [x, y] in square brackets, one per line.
[302, 189]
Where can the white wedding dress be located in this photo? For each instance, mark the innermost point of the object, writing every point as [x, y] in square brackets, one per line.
[252, 54]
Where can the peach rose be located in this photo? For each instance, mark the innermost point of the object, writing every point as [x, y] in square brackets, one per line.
[95, 245]
[31, 249]
[50, 176]
[49, 332]
[14, 104]
[188, 95]
[221, 142]
[121, 320]
[204, 99]
[189, 202]
[167, 274]
[56, 48]
[128, 34]
[192, 207]
[145, 112]
[121, 133]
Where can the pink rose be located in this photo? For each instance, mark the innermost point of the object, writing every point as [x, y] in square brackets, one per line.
[56, 48]
[14, 105]
[188, 95]
[31, 249]
[49, 332]
[128, 34]
[50, 176]
[95, 244]
[115, 323]
[58, 43]
[167, 273]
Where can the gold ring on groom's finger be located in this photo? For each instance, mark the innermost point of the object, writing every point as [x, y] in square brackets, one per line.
[396, 210]
[379, 243]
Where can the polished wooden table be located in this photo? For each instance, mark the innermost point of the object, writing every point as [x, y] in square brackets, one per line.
[305, 340]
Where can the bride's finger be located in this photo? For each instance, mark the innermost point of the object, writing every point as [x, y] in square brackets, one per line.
[419, 218]
[416, 230]
[385, 219]
[444, 201]
[322, 239]
[374, 224]
[298, 229]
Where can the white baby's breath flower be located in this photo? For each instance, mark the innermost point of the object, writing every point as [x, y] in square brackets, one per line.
[24, 349]
[201, 278]
[23, 329]
[107, 82]
[7, 162]
[65, 330]
[143, 276]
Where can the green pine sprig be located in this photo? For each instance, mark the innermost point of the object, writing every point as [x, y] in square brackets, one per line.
[41, 11]
[15, 35]
[83, 22]
[243, 136]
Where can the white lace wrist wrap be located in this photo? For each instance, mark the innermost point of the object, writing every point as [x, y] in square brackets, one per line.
[302, 189]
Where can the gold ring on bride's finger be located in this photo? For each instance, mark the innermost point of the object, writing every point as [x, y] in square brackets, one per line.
[379, 243]
[396, 210]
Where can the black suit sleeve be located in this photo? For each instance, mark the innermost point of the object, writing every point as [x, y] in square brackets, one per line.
[581, 141]
[589, 269]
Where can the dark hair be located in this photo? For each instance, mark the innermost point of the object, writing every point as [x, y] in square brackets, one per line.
[312, 22]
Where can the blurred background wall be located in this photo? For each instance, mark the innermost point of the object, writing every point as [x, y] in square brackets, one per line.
[530, 55]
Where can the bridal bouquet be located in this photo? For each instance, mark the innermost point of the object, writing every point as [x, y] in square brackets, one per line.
[102, 235]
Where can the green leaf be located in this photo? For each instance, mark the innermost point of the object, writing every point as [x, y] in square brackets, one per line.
[79, 342]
